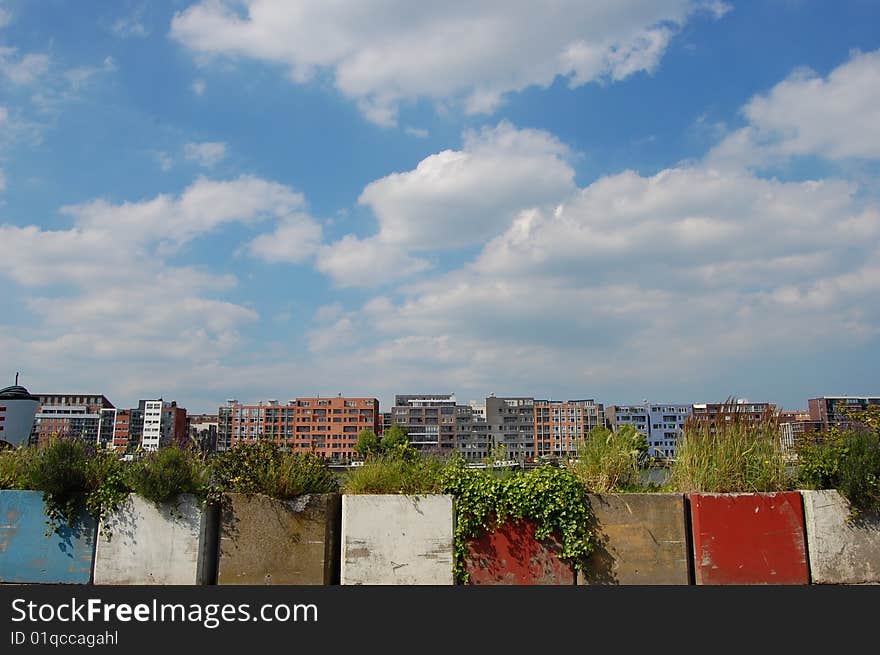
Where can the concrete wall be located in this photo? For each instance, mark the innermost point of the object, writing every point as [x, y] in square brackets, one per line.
[397, 540]
[28, 554]
[742, 538]
[640, 539]
[510, 555]
[841, 551]
[148, 544]
[268, 541]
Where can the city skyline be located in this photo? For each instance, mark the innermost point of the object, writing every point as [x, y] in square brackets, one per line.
[673, 200]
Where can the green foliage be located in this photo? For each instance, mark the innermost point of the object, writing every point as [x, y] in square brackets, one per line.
[399, 470]
[263, 467]
[72, 475]
[394, 437]
[552, 497]
[847, 460]
[162, 475]
[609, 461]
[15, 465]
[731, 454]
[368, 443]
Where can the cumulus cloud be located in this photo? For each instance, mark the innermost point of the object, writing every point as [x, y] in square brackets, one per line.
[22, 69]
[835, 117]
[461, 197]
[295, 239]
[382, 54]
[105, 290]
[371, 262]
[206, 153]
[201, 207]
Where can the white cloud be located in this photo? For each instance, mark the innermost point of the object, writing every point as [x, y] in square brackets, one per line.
[207, 153]
[22, 70]
[633, 281]
[382, 54]
[103, 292]
[5, 17]
[203, 206]
[354, 262]
[166, 163]
[461, 197]
[295, 239]
[199, 87]
[130, 27]
[835, 117]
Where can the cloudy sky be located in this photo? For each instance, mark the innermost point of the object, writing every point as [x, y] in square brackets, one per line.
[672, 200]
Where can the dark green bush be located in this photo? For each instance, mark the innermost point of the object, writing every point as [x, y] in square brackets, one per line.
[846, 460]
[72, 475]
[161, 475]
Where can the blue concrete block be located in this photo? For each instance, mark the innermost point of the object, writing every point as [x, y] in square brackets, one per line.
[28, 554]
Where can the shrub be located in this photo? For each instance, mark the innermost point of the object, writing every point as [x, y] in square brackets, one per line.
[552, 497]
[847, 460]
[264, 467]
[731, 454]
[72, 475]
[609, 461]
[401, 470]
[162, 475]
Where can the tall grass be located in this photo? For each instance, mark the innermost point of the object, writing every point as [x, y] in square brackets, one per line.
[402, 471]
[609, 461]
[264, 467]
[731, 454]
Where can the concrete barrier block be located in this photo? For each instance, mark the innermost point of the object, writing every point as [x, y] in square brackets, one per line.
[841, 551]
[749, 538]
[640, 539]
[264, 540]
[397, 540]
[511, 555]
[29, 554]
[148, 544]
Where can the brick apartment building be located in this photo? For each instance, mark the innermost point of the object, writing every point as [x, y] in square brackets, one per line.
[827, 411]
[327, 426]
[561, 425]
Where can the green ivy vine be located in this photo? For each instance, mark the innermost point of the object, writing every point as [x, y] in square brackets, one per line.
[551, 497]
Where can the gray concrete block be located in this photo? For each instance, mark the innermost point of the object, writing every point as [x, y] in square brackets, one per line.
[840, 551]
[397, 540]
[171, 544]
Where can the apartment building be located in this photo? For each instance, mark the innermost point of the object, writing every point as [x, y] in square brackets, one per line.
[68, 415]
[164, 424]
[512, 422]
[431, 420]
[561, 425]
[327, 426]
[660, 423]
[749, 411]
[828, 411]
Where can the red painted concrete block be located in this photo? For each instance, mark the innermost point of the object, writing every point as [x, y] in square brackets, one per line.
[745, 539]
[512, 556]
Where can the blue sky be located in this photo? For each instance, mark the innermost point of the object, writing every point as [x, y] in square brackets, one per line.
[622, 199]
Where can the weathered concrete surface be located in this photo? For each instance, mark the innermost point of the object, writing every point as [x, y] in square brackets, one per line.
[510, 555]
[742, 539]
[28, 554]
[640, 539]
[172, 544]
[264, 540]
[397, 540]
[841, 551]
